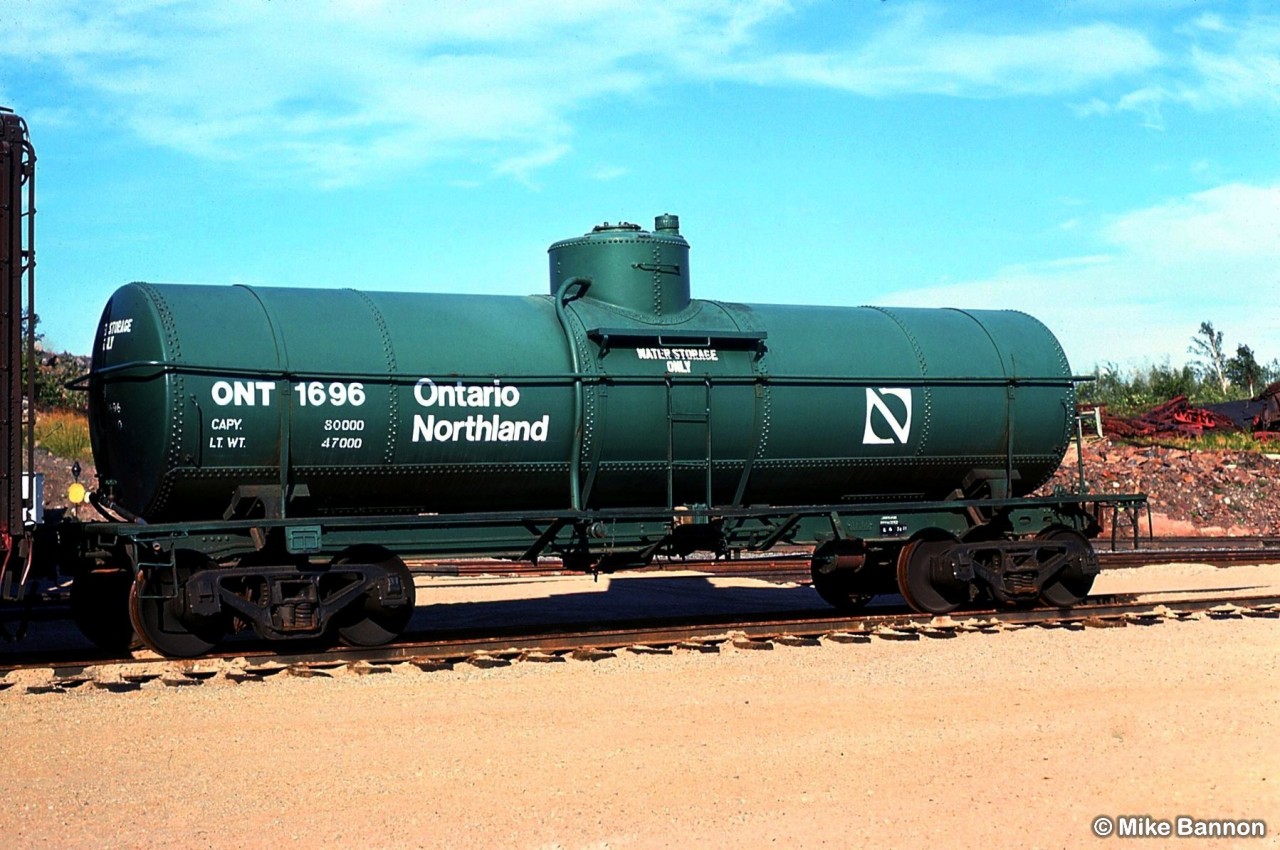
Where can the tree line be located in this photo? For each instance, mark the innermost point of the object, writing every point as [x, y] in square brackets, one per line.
[1210, 376]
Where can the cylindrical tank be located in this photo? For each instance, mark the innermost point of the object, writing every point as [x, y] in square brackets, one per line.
[626, 393]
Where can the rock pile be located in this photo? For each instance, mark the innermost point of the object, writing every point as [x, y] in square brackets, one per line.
[1191, 492]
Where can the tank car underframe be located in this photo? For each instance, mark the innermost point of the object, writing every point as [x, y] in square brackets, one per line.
[188, 584]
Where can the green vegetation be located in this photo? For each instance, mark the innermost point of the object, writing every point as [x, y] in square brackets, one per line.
[64, 433]
[53, 373]
[1210, 377]
[1234, 441]
[51, 379]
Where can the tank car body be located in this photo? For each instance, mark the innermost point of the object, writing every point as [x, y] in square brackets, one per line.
[620, 391]
[274, 454]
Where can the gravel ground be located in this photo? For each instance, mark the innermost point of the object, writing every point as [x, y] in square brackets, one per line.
[1017, 739]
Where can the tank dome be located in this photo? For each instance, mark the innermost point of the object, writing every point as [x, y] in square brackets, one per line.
[631, 268]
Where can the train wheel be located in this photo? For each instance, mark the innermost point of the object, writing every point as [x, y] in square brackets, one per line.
[838, 576]
[926, 587]
[1072, 584]
[100, 608]
[155, 606]
[384, 612]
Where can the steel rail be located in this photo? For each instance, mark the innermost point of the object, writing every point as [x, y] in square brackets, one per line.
[489, 648]
[776, 625]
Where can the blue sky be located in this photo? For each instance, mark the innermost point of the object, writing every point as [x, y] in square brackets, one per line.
[1111, 167]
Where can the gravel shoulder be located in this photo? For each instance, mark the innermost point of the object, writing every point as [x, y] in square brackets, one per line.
[1018, 738]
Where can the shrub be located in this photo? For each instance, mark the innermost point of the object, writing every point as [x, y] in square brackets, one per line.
[1143, 388]
[64, 433]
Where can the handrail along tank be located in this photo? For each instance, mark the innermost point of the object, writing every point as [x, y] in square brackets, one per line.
[615, 390]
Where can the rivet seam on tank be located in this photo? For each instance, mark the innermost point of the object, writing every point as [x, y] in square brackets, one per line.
[760, 366]
[469, 470]
[245, 471]
[586, 364]
[1062, 355]
[393, 397]
[1072, 403]
[927, 418]
[657, 283]
[913, 462]
[767, 422]
[1071, 390]
[173, 347]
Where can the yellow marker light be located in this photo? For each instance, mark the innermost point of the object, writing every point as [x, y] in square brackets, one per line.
[76, 493]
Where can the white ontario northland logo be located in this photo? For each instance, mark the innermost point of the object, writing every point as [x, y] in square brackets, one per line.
[900, 425]
[481, 427]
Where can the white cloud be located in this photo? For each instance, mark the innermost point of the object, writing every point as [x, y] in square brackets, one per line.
[342, 90]
[1251, 75]
[918, 55]
[1212, 255]
[522, 167]
[1229, 223]
[1211, 22]
[605, 173]
[1222, 67]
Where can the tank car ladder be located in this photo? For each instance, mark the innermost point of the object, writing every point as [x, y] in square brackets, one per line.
[683, 410]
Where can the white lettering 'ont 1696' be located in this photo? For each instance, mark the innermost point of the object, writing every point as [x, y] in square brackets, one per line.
[243, 393]
[900, 427]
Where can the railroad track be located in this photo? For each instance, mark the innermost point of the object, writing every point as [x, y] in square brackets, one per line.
[593, 643]
[1217, 551]
[779, 565]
